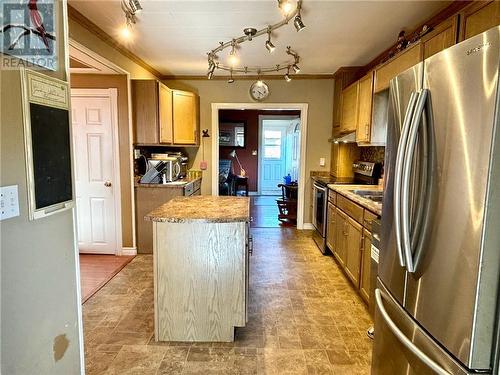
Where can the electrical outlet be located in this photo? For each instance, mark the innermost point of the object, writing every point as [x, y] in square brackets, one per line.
[9, 202]
[137, 154]
[322, 162]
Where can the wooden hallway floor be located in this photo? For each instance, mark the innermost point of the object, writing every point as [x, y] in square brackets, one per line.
[96, 270]
[304, 318]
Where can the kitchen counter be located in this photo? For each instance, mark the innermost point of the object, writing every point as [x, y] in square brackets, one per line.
[203, 208]
[346, 191]
[175, 184]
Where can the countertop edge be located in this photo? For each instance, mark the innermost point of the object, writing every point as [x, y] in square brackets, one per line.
[343, 190]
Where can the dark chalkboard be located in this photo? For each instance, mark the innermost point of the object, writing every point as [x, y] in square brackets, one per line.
[51, 152]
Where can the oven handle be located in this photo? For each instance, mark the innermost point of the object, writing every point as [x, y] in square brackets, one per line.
[319, 187]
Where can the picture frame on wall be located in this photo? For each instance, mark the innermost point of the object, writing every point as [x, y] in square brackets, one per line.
[233, 134]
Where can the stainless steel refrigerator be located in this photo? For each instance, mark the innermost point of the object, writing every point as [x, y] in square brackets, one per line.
[437, 290]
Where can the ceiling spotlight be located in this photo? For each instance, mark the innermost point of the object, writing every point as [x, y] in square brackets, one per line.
[269, 45]
[233, 58]
[297, 22]
[285, 5]
[287, 75]
[296, 68]
[231, 79]
[210, 74]
[125, 32]
[135, 6]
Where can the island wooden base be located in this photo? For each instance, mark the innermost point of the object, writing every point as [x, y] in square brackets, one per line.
[201, 280]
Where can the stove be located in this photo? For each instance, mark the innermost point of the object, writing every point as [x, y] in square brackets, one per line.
[365, 173]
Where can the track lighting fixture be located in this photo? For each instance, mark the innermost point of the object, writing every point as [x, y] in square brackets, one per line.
[291, 10]
[135, 6]
[130, 9]
[269, 45]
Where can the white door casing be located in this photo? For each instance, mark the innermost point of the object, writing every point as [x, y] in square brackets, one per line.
[97, 178]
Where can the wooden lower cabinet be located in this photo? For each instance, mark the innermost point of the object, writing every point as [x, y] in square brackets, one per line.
[354, 233]
[366, 249]
[339, 250]
[330, 229]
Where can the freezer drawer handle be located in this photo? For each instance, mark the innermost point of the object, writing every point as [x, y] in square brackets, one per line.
[405, 340]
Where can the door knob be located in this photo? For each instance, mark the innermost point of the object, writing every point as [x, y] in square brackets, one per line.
[107, 183]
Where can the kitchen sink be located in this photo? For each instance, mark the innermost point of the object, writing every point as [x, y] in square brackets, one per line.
[374, 195]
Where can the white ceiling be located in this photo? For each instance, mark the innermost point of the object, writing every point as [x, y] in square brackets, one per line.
[174, 36]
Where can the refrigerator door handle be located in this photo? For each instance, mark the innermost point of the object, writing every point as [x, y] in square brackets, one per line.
[398, 173]
[406, 174]
[405, 340]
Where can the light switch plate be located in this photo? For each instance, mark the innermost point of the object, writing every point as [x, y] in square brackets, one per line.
[9, 202]
[322, 162]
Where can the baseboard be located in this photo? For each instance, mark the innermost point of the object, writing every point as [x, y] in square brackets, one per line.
[253, 193]
[308, 226]
[129, 251]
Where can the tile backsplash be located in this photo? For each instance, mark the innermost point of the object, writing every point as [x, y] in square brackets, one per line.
[374, 154]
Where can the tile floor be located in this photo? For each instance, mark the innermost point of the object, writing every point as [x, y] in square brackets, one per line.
[304, 318]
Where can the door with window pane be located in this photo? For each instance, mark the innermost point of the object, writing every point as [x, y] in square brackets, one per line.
[273, 156]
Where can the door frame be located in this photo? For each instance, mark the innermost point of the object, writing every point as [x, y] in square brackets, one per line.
[259, 157]
[302, 107]
[112, 94]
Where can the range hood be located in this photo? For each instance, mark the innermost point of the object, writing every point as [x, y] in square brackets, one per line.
[346, 138]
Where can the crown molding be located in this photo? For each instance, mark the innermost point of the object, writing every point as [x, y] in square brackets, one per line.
[246, 77]
[101, 34]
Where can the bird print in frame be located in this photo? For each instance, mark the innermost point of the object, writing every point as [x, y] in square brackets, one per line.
[28, 34]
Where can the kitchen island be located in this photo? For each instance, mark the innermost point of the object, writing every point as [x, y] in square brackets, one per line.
[201, 248]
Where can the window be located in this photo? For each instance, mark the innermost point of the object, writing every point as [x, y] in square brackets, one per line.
[272, 144]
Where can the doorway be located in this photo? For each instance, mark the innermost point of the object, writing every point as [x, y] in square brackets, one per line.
[296, 167]
[279, 144]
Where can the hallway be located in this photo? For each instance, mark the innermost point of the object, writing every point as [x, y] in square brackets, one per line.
[304, 318]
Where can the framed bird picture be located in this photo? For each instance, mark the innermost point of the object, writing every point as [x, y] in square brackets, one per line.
[28, 34]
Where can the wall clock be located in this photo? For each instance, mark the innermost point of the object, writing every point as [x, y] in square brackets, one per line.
[259, 90]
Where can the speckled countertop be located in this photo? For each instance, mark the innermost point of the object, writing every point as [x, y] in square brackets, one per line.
[202, 208]
[175, 184]
[346, 191]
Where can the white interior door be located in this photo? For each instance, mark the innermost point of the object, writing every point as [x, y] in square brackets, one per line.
[273, 157]
[96, 184]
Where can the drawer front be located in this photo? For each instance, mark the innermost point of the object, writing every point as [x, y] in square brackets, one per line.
[188, 189]
[350, 208]
[332, 197]
[368, 219]
[197, 185]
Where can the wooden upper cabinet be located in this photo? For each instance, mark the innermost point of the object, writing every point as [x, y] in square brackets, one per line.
[405, 60]
[365, 99]
[165, 114]
[349, 120]
[442, 37]
[479, 17]
[185, 117]
[145, 111]
[364, 283]
[337, 106]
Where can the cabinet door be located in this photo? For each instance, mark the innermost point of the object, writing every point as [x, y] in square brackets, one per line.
[366, 257]
[145, 111]
[442, 37]
[405, 60]
[165, 114]
[349, 108]
[339, 250]
[365, 97]
[330, 229]
[354, 232]
[479, 17]
[185, 117]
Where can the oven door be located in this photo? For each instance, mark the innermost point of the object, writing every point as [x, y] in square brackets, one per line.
[319, 209]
